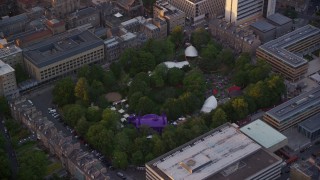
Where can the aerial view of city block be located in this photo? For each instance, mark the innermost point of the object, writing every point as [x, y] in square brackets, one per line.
[160, 89]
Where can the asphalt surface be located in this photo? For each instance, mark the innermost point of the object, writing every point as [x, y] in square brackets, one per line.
[10, 151]
[42, 100]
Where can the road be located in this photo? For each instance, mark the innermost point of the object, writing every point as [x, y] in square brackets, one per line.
[9, 149]
[42, 100]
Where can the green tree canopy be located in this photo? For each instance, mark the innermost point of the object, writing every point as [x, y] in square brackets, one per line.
[175, 76]
[63, 92]
[81, 90]
[176, 36]
[200, 38]
[219, 117]
[72, 113]
[120, 159]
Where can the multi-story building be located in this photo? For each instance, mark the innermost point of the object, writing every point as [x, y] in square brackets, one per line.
[310, 127]
[294, 111]
[303, 170]
[285, 53]
[87, 15]
[265, 31]
[10, 54]
[114, 46]
[56, 26]
[14, 24]
[162, 25]
[235, 37]
[284, 24]
[197, 10]
[239, 11]
[8, 84]
[223, 153]
[274, 26]
[61, 8]
[131, 7]
[63, 54]
[269, 7]
[265, 135]
[171, 14]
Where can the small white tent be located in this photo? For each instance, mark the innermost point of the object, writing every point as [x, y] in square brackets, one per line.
[209, 105]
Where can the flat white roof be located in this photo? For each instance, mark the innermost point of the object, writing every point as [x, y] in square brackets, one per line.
[263, 134]
[5, 68]
[208, 155]
[171, 64]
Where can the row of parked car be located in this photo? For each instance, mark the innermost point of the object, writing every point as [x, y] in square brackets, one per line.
[54, 113]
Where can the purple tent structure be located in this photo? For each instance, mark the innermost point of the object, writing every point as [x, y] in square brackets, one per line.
[153, 121]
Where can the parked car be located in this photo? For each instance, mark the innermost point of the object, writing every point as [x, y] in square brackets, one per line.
[121, 175]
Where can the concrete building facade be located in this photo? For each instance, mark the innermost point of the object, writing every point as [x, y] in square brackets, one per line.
[223, 153]
[269, 7]
[14, 24]
[84, 16]
[238, 11]
[310, 127]
[173, 16]
[264, 30]
[235, 37]
[8, 84]
[285, 54]
[283, 24]
[63, 54]
[197, 10]
[294, 111]
[10, 54]
[61, 8]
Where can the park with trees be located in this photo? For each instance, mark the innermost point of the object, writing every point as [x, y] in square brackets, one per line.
[151, 87]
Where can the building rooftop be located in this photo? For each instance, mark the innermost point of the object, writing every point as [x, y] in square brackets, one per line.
[13, 19]
[278, 46]
[9, 50]
[5, 68]
[112, 41]
[128, 36]
[60, 47]
[263, 134]
[151, 26]
[214, 153]
[279, 19]
[311, 124]
[285, 111]
[263, 26]
[85, 12]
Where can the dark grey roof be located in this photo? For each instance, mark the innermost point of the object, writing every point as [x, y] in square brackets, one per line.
[85, 12]
[279, 19]
[60, 47]
[312, 124]
[278, 47]
[263, 26]
[13, 20]
[286, 111]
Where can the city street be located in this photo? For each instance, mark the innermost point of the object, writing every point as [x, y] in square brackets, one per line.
[42, 100]
[10, 151]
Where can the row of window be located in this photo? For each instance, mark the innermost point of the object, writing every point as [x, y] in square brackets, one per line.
[72, 64]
